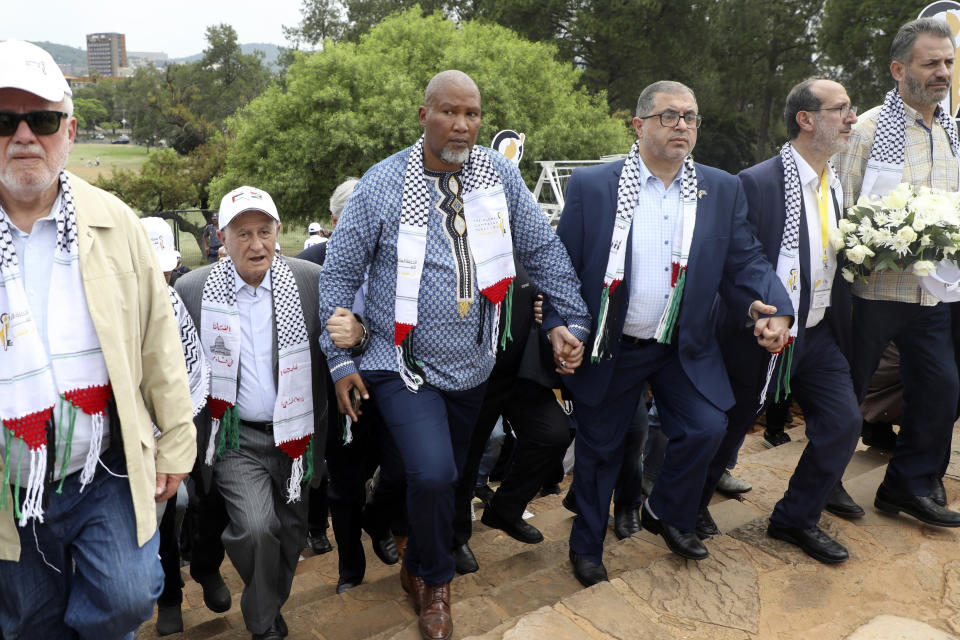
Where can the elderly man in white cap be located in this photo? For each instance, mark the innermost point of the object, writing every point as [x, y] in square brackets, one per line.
[90, 360]
[264, 426]
[315, 235]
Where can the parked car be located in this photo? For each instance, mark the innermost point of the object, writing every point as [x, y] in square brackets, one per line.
[121, 140]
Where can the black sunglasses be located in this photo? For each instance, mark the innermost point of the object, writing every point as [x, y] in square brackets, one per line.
[42, 123]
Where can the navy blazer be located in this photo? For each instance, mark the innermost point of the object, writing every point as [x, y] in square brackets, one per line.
[725, 258]
[766, 214]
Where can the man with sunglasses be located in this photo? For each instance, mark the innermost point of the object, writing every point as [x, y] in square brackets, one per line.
[793, 205]
[654, 238]
[90, 356]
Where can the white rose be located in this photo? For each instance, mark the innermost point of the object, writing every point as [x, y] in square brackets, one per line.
[924, 267]
[926, 241]
[847, 274]
[933, 207]
[908, 235]
[845, 225]
[836, 239]
[859, 253]
[897, 198]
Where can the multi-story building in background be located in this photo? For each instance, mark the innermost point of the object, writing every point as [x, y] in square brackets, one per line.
[107, 53]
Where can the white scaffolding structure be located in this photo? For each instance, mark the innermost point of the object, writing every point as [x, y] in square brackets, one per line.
[552, 183]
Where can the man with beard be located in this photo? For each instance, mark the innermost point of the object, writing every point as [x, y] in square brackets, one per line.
[90, 356]
[793, 205]
[909, 138]
[439, 224]
[654, 239]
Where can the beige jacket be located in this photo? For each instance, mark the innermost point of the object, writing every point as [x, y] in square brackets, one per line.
[134, 320]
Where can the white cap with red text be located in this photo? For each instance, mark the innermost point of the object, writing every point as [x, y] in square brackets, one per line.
[27, 67]
[246, 199]
[161, 237]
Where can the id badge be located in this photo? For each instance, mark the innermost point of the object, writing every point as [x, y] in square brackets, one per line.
[821, 297]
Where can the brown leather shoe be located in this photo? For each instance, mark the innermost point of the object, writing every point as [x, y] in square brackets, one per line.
[436, 623]
[413, 585]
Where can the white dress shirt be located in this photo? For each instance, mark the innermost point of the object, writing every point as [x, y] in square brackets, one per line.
[823, 260]
[35, 254]
[256, 389]
[654, 221]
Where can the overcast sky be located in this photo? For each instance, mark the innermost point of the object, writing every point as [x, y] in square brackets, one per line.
[175, 27]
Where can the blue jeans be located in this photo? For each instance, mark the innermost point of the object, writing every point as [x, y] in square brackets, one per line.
[81, 573]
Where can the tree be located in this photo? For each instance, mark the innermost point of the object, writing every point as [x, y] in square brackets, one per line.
[89, 112]
[856, 37]
[322, 19]
[350, 105]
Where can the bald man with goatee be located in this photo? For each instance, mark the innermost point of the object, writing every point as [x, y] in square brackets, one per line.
[438, 225]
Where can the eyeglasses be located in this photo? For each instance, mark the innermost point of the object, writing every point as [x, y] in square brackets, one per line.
[671, 118]
[844, 109]
[42, 123]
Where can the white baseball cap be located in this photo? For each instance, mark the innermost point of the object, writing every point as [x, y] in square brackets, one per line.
[161, 237]
[27, 67]
[314, 227]
[246, 199]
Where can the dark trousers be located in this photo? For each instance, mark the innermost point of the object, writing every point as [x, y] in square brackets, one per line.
[692, 424]
[543, 435]
[822, 386]
[205, 520]
[930, 384]
[349, 466]
[627, 491]
[432, 430]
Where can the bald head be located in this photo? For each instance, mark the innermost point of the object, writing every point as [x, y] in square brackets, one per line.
[445, 80]
[450, 117]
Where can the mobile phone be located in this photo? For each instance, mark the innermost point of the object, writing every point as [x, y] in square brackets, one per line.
[355, 399]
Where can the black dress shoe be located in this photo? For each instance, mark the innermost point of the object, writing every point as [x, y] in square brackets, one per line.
[346, 585]
[518, 530]
[841, 504]
[551, 490]
[686, 545]
[569, 501]
[879, 435]
[273, 633]
[626, 521]
[588, 573]
[485, 493]
[706, 527]
[169, 619]
[464, 560]
[216, 595]
[939, 493]
[385, 548]
[923, 508]
[814, 542]
[318, 541]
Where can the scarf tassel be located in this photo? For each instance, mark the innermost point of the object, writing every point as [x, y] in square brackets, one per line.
[782, 365]
[507, 333]
[33, 500]
[668, 321]
[601, 344]
[301, 471]
[224, 430]
[409, 368]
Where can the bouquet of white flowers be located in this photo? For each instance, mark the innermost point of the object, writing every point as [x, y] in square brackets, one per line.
[907, 228]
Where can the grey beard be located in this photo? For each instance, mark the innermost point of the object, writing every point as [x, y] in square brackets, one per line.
[452, 157]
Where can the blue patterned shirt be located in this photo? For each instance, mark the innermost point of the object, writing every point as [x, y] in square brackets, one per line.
[455, 351]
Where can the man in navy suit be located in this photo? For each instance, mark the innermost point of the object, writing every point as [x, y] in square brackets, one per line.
[798, 190]
[649, 292]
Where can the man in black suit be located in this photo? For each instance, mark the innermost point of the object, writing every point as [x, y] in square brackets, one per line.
[793, 206]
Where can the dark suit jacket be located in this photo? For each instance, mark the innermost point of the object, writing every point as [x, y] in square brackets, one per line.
[725, 257]
[307, 275]
[766, 214]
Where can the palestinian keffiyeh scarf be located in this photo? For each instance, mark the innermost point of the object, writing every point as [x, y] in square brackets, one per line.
[486, 224]
[628, 194]
[198, 370]
[885, 165]
[788, 271]
[221, 337]
[27, 375]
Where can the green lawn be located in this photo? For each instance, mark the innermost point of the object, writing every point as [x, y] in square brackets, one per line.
[83, 158]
